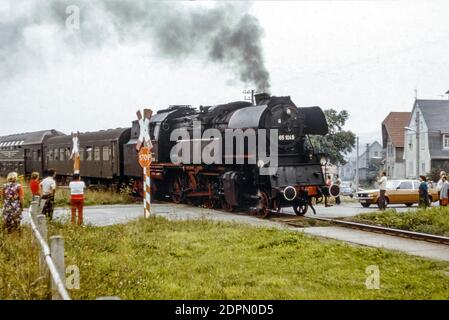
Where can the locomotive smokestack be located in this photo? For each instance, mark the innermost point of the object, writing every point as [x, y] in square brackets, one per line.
[261, 97]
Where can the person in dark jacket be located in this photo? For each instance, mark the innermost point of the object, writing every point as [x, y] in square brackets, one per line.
[423, 192]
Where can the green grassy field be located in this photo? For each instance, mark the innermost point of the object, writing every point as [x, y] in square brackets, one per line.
[433, 220]
[92, 197]
[160, 259]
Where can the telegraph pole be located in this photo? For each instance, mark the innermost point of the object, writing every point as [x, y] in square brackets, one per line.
[417, 143]
[357, 166]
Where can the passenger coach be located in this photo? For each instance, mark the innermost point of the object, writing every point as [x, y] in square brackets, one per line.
[101, 155]
[22, 152]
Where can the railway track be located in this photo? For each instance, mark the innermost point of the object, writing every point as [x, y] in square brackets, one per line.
[379, 229]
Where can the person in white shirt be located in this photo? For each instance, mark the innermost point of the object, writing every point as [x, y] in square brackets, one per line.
[77, 198]
[48, 187]
[444, 192]
[440, 182]
[382, 180]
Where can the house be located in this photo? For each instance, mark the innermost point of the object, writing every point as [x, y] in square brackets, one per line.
[370, 161]
[347, 171]
[369, 164]
[393, 143]
[427, 138]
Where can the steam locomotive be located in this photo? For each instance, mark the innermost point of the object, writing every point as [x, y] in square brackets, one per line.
[252, 156]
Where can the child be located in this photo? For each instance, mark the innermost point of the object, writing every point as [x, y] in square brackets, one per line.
[35, 186]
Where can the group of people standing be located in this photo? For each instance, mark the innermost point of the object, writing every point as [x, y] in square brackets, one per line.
[45, 190]
[423, 190]
[442, 188]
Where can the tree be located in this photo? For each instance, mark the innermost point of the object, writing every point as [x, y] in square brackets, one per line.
[337, 142]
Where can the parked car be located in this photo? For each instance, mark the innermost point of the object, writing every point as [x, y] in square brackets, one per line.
[398, 192]
[346, 189]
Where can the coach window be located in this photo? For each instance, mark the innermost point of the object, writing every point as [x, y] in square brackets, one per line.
[97, 153]
[35, 158]
[68, 153]
[61, 154]
[89, 153]
[39, 155]
[56, 153]
[50, 154]
[106, 153]
[81, 152]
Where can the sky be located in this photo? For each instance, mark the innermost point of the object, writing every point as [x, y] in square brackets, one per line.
[366, 57]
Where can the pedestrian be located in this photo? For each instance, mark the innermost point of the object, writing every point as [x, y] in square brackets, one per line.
[440, 182]
[382, 181]
[327, 194]
[48, 187]
[35, 186]
[338, 183]
[77, 198]
[12, 202]
[423, 192]
[444, 192]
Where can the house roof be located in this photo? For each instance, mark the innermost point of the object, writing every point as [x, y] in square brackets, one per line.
[393, 127]
[435, 113]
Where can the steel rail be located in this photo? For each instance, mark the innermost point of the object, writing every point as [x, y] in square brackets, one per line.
[385, 230]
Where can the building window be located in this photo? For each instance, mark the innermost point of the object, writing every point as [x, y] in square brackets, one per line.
[423, 167]
[97, 153]
[376, 154]
[446, 141]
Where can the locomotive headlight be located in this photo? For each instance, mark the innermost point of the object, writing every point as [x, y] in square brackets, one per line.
[260, 163]
[323, 161]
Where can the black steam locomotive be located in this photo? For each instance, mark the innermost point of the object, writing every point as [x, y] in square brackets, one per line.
[254, 156]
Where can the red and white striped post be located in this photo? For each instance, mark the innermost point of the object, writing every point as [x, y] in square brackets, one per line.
[144, 147]
[75, 155]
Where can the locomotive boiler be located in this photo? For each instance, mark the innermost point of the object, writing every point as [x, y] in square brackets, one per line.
[254, 157]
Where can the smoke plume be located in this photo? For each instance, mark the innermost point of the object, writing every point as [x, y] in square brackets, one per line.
[225, 33]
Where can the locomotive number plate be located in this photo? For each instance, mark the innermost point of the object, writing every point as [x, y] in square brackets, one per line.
[286, 137]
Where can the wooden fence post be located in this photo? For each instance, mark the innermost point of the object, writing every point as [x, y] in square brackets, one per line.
[44, 272]
[57, 254]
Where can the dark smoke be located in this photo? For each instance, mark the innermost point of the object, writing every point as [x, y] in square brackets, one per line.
[225, 33]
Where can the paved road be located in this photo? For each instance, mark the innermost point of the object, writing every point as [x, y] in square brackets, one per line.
[109, 215]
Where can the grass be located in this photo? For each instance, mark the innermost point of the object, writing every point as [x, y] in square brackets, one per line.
[92, 197]
[199, 259]
[434, 220]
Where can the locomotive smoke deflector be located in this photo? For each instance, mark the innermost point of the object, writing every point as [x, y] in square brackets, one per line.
[315, 121]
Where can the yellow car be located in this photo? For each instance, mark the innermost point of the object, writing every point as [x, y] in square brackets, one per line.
[398, 192]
